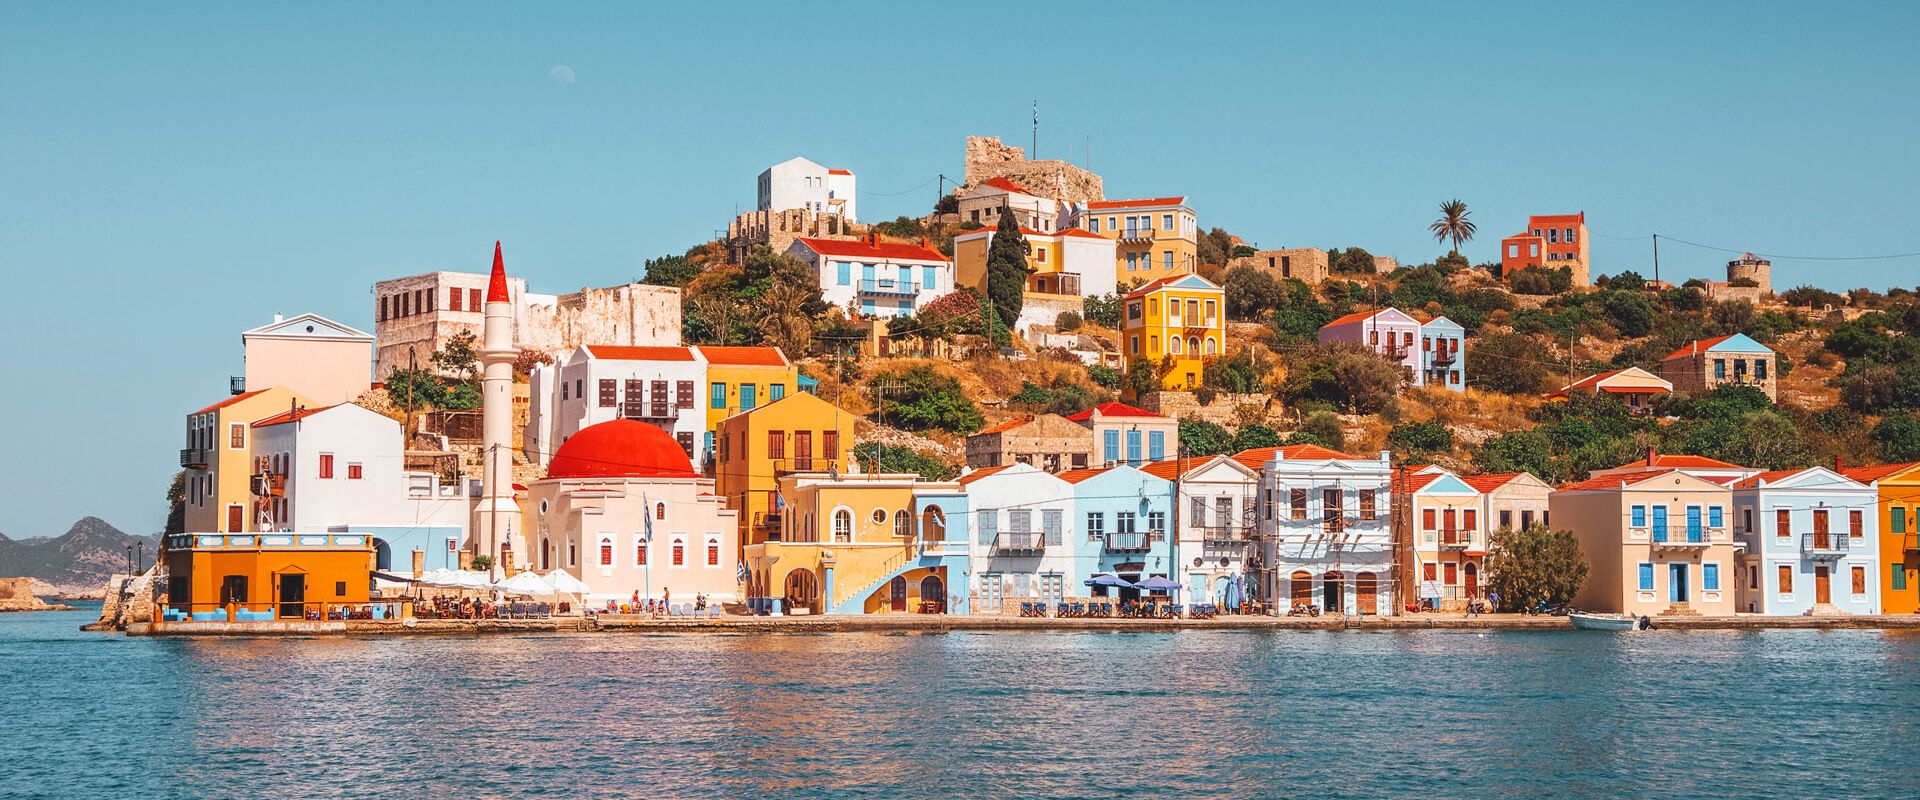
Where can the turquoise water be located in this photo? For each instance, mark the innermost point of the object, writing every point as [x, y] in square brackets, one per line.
[1786, 714]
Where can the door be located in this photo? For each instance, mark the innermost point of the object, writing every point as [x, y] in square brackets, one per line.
[1473, 579]
[1693, 523]
[1677, 583]
[1659, 523]
[1820, 531]
[899, 592]
[1331, 595]
[1822, 586]
[293, 596]
[1302, 589]
[1364, 593]
[990, 593]
[236, 519]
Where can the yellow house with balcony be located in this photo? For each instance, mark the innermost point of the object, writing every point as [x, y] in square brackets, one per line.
[1175, 323]
[1156, 237]
[861, 544]
[218, 459]
[752, 449]
[1069, 262]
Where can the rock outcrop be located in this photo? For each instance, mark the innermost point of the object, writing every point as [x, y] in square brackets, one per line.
[16, 594]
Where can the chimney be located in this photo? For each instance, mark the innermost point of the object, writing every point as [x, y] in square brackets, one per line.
[1836, 462]
[277, 317]
[1652, 453]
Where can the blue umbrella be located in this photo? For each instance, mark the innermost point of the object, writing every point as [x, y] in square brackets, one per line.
[1104, 579]
[1157, 584]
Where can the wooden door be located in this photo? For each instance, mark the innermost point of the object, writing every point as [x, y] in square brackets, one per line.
[236, 519]
[899, 592]
[1473, 579]
[1303, 588]
[1822, 586]
[1820, 531]
[1364, 593]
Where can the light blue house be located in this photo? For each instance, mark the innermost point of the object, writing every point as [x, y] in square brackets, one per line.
[1443, 360]
[944, 537]
[1120, 527]
[1811, 540]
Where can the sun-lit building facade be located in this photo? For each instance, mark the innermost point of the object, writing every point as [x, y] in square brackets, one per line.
[1175, 324]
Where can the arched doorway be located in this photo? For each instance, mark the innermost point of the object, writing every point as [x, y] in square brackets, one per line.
[1473, 579]
[382, 554]
[933, 594]
[803, 591]
[546, 555]
[1365, 593]
[1303, 588]
[897, 592]
[933, 525]
[1332, 596]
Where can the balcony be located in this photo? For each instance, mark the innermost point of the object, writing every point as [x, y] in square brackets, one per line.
[647, 412]
[1133, 234]
[1129, 542]
[1455, 540]
[889, 286]
[1443, 358]
[1030, 543]
[1232, 534]
[1825, 546]
[789, 466]
[1691, 539]
[194, 458]
[236, 384]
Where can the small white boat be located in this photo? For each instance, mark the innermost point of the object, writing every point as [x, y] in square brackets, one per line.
[1603, 622]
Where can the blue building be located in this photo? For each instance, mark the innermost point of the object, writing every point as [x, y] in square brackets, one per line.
[1121, 526]
[1812, 544]
[1443, 360]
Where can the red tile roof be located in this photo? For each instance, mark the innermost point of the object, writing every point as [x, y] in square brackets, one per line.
[1006, 426]
[862, 248]
[1108, 205]
[1003, 183]
[1770, 476]
[1696, 346]
[1078, 475]
[1114, 410]
[1488, 483]
[1257, 457]
[1615, 481]
[1870, 474]
[229, 401]
[1170, 470]
[744, 356]
[1666, 462]
[838, 172]
[292, 415]
[640, 353]
[1358, 316]
[982, 473]
[1414, 482]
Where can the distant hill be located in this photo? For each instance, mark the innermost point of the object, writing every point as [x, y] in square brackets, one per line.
[79, 560]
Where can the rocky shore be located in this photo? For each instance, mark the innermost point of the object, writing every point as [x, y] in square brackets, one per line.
[18, 594]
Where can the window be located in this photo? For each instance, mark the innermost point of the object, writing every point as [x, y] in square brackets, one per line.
[473, 299]
[609, 392]
[1096, 525]
[1166, 222]
[1506, 520]
[1157, 523]
[1899, 577]
[1786, 579]
[1719, 369]
[830, 445]
[1173, 345]
[1639, 516]
[989, 525]
[1331, 506]
[640, 552]
[1198, 512]
[1040, 255]
[1367, 504]
[326, 465]
[1050, 525]
[1156, 445]
[1553, 236]
[1095, 223]
[606, 552]
[1899, 520]
[1716, 517]
[718, 396]
[236, 436]
[353, 472]
[846, 270]
[1133, 262]
[1646, 576]
[747, 396]
[713, 553]
[1859, 580]
[1710, 577]
[1427, 517]
[679, 553]
[1133, 312]
[1133, 447]
[1297, 499]
[902, 524]
[1166, 259]
[1471, 520]
[776, 444]
[1782, 523]
[1760, 370]
[843, 525]
[1431, 573]
[1856, 523]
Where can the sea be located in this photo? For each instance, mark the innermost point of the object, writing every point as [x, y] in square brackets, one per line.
[1199, 714]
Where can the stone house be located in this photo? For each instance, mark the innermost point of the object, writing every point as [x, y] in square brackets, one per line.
[1701, 366]
[1048, 441]
[1306, 264]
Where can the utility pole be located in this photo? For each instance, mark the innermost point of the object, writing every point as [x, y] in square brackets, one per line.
[1036, 132]
[1656, 258]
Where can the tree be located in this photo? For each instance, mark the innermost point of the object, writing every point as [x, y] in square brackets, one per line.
[1141, 377]
[177, 503]
[1104, 376]
[925, 400]
[784, 321]
[900, 460]
[1518, 451]
[1102, 311]
[1254, 435]
[1541, 280]
[1067, 322]
[1324, 426]
[1214, 246]
[947, 204]
[1629, 312]
[458, 357]
[1007, 268]
[1352, 260]
[1514, 363]
[1422, 438]
[1453, 224]
[1899, 438]
[1251, 292]
[670, 271]
[1200, 438]
[1534, 566]
[1352, 376]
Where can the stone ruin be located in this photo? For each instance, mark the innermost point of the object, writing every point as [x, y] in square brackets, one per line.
[1057, 180]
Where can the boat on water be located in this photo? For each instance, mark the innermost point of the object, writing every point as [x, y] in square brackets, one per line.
[1603, 622]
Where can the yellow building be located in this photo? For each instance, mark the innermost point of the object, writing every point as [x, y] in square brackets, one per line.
[860, 544]
[743, 379]
[1068, 262]
[1157, 237]
[1899, 486]
[1175, 323]
[218, 458]
[799, 433]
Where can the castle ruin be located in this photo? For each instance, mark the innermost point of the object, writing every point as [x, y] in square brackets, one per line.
[1061, 181]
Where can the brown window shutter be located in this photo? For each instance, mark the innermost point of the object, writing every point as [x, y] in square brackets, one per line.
[776, 444]
[683, 394]
[659, 404]
[830, 445]
[686, 442]
[453, 299]
[636, 389]
[473, 299]
[609, 393]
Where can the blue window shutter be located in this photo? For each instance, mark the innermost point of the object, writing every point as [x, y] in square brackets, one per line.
[929, 279]
[1715, 517]
[989, 525]
[779, 390]
[718, 396]
[1639, 516]
[1156, 445]
[1113, 445]
[748, 397]
[1646, 577]
[1133, 447]
[1710, 577]
[846, 272]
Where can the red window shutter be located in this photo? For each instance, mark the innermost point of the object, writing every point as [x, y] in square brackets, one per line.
[473, 299]
[776, 444]
[640, 554]
[606, 555]
[326, 465]
[1783, 523]
[1472, 518]
[830, 445]
[353, 472]
[1426, 519]
[713, 554]
[679, 554]
[453, 299]
[1855, 524]
[1432, 572]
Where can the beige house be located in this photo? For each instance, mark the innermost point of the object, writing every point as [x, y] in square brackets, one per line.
[1702, 366]
[1048, 441]
[1123, 434]
[1513, 500]
[1656, 541]
[1307, 264]
[322, 360]
[983, 203]
[1449, 542]
[218, 459]
[1633, 386]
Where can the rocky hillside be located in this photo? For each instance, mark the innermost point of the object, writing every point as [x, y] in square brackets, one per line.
[77, 561]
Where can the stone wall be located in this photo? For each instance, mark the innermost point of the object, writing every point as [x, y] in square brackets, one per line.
[1305, 264]
[1385, 264]
[1750, 266]
[778, 229]
[129, 599]
[1059, 180]
[634, 314]
[1184, 405]
[1044, 309]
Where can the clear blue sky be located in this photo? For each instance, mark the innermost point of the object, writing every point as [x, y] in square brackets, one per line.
[172, 174]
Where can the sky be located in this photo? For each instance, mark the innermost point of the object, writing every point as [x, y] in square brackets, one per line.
[174, 174]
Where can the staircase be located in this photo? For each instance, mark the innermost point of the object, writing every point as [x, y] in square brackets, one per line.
[1681, 609]
[895, 565]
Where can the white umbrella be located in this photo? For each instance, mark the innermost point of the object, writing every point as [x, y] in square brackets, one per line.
[526, 583]
[564, 582]
[469, 580]
[435, 577]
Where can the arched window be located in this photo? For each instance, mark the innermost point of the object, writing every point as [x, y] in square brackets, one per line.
[902, 524]
[1212, 347]
[606, 552]
[679, 553]
[713, 553]
[1193, 345]
[1174, 345]
[843, 525]
[640, 552]
[659, 510]
[933, 525]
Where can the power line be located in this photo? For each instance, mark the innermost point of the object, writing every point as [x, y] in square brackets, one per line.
[1754, 252]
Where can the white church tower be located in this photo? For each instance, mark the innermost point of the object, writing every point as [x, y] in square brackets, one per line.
[498, 517]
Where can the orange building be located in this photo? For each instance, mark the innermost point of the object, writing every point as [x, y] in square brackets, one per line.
[1899, 486]
[242, 577]
[1552, 241]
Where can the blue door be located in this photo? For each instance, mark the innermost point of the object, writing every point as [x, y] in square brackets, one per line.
[1677, 583]
[1659, 523]
[1693, 523]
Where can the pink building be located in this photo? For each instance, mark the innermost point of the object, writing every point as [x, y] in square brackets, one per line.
[1389, 332]
[319, 359]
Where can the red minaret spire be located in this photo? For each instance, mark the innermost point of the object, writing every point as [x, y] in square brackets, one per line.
[497, 287]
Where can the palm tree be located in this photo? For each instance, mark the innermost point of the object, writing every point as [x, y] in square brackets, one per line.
[1453, 224]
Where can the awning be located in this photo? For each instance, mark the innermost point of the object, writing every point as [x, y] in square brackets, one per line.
[385, 576]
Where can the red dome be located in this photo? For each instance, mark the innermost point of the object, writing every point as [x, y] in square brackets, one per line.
[622, 448]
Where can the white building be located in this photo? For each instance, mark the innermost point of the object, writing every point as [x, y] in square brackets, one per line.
[1326, 529]
[800, 183]
[1213, 513]
[1021, 549]
[341, 469]
[983, 203]
[597, 383]
[875, 278]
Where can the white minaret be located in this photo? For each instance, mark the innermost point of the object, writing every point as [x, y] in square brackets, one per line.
[495, 524]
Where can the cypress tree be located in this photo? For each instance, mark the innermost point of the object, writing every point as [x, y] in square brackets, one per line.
[1007, 268]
